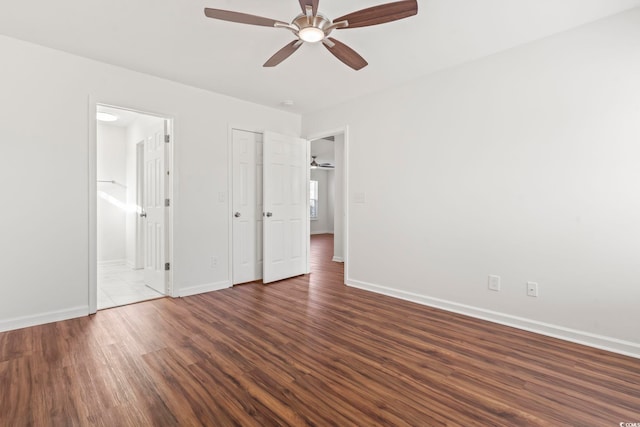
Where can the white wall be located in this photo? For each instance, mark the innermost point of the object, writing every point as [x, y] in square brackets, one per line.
[524, 164]
[111, 200]
[322, 224]
[45, 132]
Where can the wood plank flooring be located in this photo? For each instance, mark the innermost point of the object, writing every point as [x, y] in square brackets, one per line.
[305, 351]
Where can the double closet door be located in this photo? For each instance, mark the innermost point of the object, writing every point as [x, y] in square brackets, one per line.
[270, 206]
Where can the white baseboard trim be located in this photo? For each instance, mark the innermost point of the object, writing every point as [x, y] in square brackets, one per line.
[614, 345]
[337, 259]
[44, 318]
[112, 262]
[321, 232]
[201, 289]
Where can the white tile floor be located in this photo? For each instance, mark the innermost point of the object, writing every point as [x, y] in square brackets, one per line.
[120, 285]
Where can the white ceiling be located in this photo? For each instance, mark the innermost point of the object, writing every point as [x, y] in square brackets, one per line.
[173, 39]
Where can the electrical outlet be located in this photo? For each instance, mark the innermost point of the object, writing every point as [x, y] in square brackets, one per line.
[214, 262]
[494, 282]
[532, 289]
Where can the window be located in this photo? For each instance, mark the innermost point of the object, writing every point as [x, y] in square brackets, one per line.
[313, 198]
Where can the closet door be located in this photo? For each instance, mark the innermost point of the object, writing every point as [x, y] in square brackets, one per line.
[286, 210]
[247, 206]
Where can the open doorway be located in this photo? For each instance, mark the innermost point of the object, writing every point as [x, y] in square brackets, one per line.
[327, 190]
[132, 201]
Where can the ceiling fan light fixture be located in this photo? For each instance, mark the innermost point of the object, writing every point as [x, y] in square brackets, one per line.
[311, 34]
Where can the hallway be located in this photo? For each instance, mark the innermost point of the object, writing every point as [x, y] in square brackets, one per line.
[323, 269]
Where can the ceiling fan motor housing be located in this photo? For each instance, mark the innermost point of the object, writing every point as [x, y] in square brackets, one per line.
[318, 21]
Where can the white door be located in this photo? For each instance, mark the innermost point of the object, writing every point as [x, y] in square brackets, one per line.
[154, 208]
[285, 206]
[247, 206]
[140, 223]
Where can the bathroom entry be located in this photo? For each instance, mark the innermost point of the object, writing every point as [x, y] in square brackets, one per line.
[132, 174]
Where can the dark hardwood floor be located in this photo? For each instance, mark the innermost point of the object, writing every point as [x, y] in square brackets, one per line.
[305, 351]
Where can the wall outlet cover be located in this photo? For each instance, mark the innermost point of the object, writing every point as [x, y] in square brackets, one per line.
[494, 282]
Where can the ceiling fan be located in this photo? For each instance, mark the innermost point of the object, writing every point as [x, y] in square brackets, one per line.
[315, 165]
[312, 27]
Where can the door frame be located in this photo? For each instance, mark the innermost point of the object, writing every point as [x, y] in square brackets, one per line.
[345, 185]
[92, 251]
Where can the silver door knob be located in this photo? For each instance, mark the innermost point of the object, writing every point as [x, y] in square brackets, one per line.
[269, 214]
[237, 214]
[143, 214]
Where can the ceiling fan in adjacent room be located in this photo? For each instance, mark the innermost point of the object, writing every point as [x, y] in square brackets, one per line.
[312, 27]
[316, 165]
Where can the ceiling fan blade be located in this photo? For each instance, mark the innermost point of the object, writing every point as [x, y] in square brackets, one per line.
[380, 14]
[242, 18]
[283, 54]
[345, 54]
[312, 3]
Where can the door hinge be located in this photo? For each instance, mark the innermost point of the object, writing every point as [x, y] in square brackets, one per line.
[167, 138]
[167, 203]
[167, 266]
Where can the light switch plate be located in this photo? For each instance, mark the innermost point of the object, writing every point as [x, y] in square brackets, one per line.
[532, 289]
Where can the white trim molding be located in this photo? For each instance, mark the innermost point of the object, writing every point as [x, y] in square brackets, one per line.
[614, 345]
[201, 289]
[337, 259]
[44, 318]
[113, 262]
